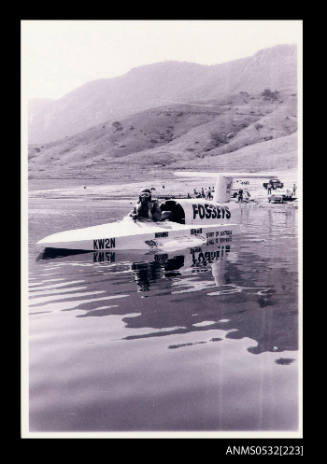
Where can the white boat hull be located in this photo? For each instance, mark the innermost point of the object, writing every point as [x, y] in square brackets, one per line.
[138, 235]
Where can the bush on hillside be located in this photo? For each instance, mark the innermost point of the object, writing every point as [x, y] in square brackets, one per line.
[218, 138]
[117, 125]
[269, 95]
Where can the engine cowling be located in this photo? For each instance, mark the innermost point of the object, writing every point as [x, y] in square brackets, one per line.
[199, 211]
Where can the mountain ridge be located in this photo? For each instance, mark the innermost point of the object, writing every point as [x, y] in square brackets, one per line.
[160, 83]
[175, 135]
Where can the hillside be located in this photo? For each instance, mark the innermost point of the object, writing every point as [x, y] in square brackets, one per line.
[156, 85]
[171, 135]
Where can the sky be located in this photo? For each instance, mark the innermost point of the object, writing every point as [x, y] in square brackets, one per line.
[59, 56]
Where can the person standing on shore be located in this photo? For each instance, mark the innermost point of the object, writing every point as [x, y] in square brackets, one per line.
[294, 190]
[269, 188]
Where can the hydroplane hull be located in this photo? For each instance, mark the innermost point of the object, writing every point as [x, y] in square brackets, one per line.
[192, 222]
[138, 235]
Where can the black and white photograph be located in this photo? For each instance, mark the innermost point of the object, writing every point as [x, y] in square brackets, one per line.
[161, 225]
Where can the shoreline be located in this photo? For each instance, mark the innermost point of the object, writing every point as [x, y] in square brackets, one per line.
[168, 184]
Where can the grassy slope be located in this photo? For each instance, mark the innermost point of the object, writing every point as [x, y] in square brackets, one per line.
[200, 134]
[245, 125]
[276, 154]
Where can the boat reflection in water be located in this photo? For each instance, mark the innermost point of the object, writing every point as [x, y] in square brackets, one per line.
[165, 266]
[203, 338]
[183, 289]
[153, 267]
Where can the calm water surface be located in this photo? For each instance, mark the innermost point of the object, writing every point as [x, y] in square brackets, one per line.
[202, 339]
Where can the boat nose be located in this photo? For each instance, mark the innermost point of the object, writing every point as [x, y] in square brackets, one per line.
[42, 241]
